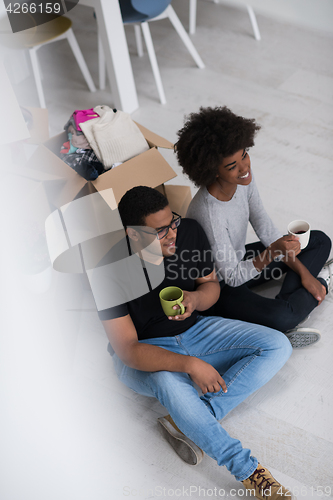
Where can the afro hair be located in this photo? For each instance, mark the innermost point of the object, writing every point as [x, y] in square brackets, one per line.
[208, 137]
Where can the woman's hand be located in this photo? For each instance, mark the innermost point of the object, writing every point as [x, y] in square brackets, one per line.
[288, 245]
[205, 376]
[314, 287]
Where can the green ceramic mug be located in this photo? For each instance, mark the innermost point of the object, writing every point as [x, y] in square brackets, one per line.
[169, 297]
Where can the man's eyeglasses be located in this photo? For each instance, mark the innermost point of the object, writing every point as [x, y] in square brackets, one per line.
[161, 233]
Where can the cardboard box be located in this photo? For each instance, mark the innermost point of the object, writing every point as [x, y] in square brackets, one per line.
[39, 131]
[29, 208]
[86, 242]
[147, 169]
[63, 185]
[29, 201]
[179, 197]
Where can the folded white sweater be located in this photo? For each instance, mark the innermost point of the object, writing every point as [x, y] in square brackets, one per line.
[114, 137]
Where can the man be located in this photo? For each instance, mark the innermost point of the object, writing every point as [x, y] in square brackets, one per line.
[163, 357]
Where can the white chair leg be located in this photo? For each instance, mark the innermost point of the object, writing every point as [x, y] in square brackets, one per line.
[153, 61]
[138, 39]
[80, 60]
[193, 16]
[36, 72]
[40, 71]
[254, 23]
[184, 36]
[101, 65]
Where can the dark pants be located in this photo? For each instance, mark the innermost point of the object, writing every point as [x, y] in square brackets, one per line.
[291, 305]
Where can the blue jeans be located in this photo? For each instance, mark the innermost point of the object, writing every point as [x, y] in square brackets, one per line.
[246, 355]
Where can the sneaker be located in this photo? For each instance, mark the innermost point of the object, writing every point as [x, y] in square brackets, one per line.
[302, 337]
[263, 486]
[327, 274]
[183, 446]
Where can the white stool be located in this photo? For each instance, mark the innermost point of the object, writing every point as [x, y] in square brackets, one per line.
[34, 38]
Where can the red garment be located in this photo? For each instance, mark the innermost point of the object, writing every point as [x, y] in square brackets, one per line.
[65, 147]
[83, 115]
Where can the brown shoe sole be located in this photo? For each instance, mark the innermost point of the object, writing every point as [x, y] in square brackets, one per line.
[183, 446]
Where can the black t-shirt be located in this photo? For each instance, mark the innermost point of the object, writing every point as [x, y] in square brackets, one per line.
[192, 259]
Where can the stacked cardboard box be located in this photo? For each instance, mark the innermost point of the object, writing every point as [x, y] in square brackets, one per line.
[54, 185]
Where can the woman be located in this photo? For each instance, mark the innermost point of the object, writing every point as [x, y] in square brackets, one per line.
[213, 151]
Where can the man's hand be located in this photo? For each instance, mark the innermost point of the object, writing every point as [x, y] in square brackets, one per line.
[205, 376]
[190, 304]
[314, 287]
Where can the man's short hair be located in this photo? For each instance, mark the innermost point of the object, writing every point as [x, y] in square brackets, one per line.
[138, 203]
[209, 136]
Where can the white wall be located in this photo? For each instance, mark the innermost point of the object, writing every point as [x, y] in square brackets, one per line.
[316, 14]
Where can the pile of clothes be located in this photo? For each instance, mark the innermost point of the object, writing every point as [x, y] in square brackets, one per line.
[99, 139]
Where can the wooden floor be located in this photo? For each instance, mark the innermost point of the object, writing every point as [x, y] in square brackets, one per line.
[85, 435]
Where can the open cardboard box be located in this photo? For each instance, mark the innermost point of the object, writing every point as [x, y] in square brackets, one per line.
[62, 184]
[39, 130]
[29, 208]
[179, 197]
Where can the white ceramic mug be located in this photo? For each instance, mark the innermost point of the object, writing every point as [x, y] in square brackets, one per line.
[301, 229]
